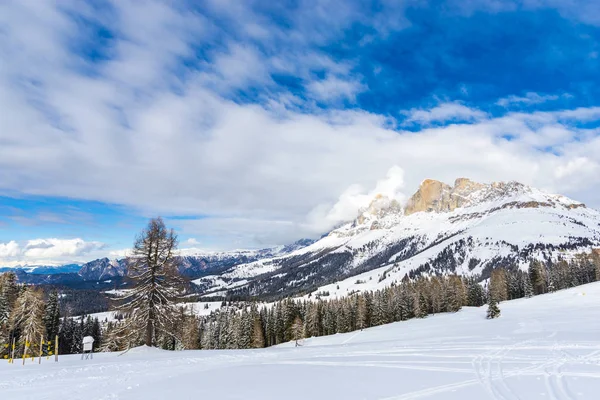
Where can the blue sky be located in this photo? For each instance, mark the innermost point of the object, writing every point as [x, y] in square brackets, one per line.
[249, 124]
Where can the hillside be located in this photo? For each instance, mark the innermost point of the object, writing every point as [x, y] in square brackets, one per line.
[543, 347]
[469, 228]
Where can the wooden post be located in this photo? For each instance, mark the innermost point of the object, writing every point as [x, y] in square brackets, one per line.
[41, 347]
[25, 349]
[12, 356]
[56, 349]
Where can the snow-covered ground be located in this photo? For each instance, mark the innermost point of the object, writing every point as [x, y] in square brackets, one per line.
[546, 347]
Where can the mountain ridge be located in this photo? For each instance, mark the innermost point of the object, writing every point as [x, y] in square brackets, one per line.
[469, 228]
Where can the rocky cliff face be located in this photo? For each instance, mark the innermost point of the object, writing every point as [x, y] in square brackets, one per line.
[437, 196]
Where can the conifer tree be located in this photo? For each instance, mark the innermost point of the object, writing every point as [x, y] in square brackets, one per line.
[493, 310]
[4, 325]
[111, 340]
[475, 294]
[52, 315]
[153, 268]
[528, 288]
[537, 276]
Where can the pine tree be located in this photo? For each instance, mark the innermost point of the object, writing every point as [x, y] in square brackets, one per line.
[78, 334]
[476, 295]
[9, 286]
[528, 288]
[96, 333]
[595, 260]
[4, 325]
[52, 315]
[4, 307]
[153, 268]
[493, 310]
[537, 275]
[419, 306]
[111, 340]
[244, 336]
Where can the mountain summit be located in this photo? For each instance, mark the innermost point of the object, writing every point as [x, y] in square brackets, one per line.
[437, 196]
[469, 228]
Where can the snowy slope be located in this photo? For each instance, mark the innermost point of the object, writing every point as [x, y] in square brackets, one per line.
[546, 347]
[500, 223]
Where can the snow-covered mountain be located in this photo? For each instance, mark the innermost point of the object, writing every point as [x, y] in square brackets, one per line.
[192, 263]
[101, 269]
[468, 228]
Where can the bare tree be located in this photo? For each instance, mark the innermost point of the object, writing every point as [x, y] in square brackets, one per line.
[27, 317]
[297, 330]
[153, 267]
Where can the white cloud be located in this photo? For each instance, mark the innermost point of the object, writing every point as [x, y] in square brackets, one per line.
[445, 112]
[51, 251]
[136, 131]
[354, 198]
[333, 88]
[529, 99]
[9, 250]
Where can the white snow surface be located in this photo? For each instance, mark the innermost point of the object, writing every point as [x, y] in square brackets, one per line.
[546, 347]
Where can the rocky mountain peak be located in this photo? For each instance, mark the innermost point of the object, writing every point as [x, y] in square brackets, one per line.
[432, 195]
[436, 196]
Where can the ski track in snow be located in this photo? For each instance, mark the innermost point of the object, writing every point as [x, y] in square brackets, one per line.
[546, 347]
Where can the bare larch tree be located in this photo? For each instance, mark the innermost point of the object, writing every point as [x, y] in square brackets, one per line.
[152, 265]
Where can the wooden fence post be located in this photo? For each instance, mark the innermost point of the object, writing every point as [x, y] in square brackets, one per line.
[12, 356]
[25, 349]
[41, 347]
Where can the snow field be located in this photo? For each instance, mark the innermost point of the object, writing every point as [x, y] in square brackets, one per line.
[546, 347]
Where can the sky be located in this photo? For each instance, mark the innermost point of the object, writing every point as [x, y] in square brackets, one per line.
[256, 123]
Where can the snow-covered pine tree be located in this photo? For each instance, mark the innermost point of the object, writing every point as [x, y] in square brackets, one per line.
[9, 287]
[52, 316]
[313, 319]
[152, 266]
[4, 330]
[244, 331]
[110, 339]
[527, 287]
[493, 310]
[78, 334]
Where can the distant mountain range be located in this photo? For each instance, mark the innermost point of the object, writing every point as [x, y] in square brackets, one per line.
[105, 270]
[469, 228]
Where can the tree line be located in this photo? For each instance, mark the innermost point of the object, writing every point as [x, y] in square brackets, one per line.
[30, 320]
[152, 312]
[242, 325]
